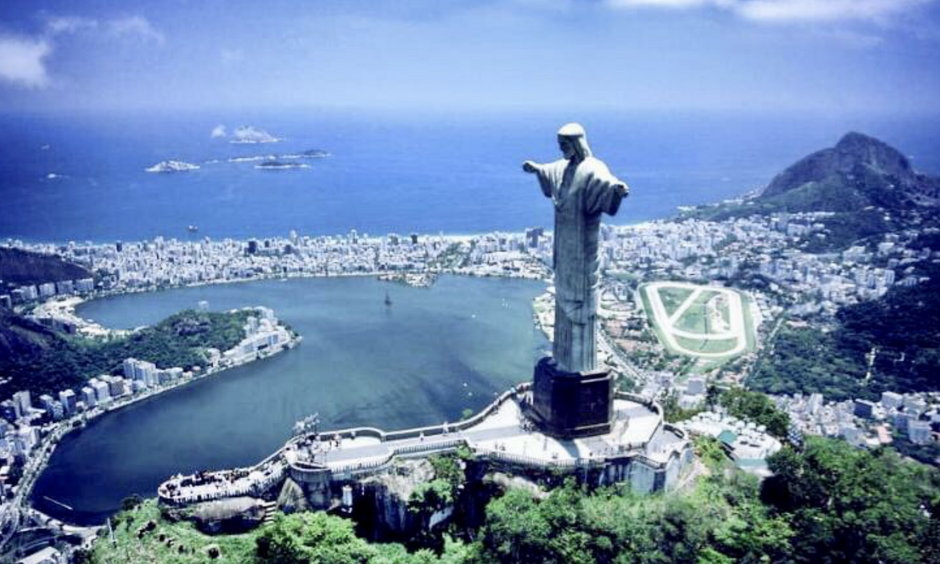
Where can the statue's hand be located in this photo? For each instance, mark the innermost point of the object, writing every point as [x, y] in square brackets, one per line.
[529, 166]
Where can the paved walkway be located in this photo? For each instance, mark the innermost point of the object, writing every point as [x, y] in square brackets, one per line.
[636, 427]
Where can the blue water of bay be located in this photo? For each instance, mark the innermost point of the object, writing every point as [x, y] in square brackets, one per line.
[388, 172]
[421, 361]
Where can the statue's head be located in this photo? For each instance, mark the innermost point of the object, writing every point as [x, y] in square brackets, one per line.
[573, 142]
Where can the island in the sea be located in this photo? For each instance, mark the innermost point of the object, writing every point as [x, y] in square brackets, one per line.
[280, 165]
[172, 166]
[314, 154]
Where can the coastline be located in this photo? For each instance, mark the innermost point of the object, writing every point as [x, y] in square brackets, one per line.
[452, 237]
[59, 430]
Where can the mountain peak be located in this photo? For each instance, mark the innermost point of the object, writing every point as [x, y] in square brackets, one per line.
[854, 138]
[872, 152]
[857, 172]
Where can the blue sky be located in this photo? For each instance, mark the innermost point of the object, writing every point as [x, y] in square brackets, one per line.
[832, 56]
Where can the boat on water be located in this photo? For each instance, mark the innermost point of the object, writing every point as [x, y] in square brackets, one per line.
[192, 228]
[388, 299]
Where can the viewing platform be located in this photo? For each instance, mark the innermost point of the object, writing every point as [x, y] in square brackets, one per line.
[640, 448]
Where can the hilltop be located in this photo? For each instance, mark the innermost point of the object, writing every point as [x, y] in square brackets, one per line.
[20, 267]
[866, 186]
[860, 171]
[20, 336]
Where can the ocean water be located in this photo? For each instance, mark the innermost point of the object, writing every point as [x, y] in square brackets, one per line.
[433, 353]
[388, 172]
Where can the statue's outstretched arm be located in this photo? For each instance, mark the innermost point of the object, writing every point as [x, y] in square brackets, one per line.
[546, 173]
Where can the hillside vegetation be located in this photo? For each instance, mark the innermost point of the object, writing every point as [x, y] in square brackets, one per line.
[902, 328]
[830, 503]
[53, 362]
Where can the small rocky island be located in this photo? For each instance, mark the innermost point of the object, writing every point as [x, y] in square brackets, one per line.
[314, 154]
[172, 166]
[279, 165]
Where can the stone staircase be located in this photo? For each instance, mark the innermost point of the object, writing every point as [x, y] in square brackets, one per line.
[270, 510]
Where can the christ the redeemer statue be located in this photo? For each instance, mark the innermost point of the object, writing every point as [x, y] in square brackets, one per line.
[581, 188]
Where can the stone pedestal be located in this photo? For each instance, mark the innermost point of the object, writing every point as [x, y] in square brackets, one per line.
[571, 404]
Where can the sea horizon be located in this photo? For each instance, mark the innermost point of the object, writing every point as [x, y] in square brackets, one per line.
[70, 177]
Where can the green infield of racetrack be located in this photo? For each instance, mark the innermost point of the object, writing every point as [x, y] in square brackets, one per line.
[697, 324]
[672, 298]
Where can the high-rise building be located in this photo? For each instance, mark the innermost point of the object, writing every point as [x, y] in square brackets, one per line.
[46, 401]
[102, 390]
[9, 410]
[919, 432]
[85, 285]
[892, 399]
[863, 408]
[25, 402]
[89, 396]
[68, 399]
[116, 385]
[141, 371]
[532, 236]
[47, 290]
[64, 287]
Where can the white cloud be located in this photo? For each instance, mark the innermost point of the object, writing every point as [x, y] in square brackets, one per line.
[667, 3]
[69, 24]
[828, 10]
[22, 61]
[218, 131]
[136, 27]
[790, 10]
[23, 58]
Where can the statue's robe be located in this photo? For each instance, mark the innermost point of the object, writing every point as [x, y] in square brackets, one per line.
[581, 192]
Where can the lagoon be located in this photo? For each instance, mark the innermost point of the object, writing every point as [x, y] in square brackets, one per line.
[423, 360]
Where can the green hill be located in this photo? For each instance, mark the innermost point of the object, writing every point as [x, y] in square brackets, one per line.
[867, 186]
[860, 171]
[19, 267]
[42, 361]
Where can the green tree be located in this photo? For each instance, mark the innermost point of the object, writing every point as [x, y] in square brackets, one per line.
[515, 530]
[852, 505]
[756, 407]
[131, 502]
[302, 538]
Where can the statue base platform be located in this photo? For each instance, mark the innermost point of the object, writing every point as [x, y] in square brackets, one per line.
[571, 404]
